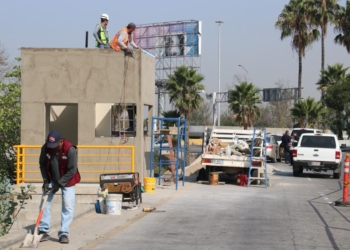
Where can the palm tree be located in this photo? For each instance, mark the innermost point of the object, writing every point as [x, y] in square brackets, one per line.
[307, 112]
[323, 12]
[294, 22]
[243, 102]
[342, 26]
[170, 114]
[184, 88]
[332, 76]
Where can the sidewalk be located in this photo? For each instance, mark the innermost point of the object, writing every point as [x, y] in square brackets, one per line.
[88, 227]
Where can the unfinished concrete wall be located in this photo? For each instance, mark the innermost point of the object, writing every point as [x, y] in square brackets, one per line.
[85, 77]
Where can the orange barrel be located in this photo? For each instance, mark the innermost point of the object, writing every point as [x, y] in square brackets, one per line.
[213, 179]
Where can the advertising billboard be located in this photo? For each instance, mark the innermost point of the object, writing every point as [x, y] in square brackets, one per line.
[172, 39]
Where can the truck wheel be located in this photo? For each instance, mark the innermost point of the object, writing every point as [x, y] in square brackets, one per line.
[254, 173]
[336, 176]
[207, 171]
[301, 170]
[297, 171]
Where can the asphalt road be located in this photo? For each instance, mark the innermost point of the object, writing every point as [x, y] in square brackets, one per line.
[294, 213]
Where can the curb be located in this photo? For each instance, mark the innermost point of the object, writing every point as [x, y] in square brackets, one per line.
[17, 237]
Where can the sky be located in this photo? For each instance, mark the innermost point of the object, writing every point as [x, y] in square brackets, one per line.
[248, 35]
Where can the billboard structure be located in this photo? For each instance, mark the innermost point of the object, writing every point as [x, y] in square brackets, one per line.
[172, 43]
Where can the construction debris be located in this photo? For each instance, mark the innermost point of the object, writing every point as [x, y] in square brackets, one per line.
[238, 147]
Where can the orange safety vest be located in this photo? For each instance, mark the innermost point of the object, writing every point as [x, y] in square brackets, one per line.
[114, 43]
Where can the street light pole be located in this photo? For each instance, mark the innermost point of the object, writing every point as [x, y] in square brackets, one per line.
[219, 112]
[243, 68]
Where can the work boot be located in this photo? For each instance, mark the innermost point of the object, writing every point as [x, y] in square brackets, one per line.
[63, 239]
[45, 236]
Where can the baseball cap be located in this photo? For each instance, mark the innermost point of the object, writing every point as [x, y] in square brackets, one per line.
[53, 139]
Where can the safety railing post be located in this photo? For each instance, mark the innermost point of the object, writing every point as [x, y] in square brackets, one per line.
[345, 202]
[133, 159]
[23, 165]
[17, 164]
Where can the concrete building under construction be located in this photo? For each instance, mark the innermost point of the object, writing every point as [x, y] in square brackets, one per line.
[85, 94]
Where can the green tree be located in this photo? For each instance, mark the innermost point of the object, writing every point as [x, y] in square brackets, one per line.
[3, 60]
[203, 115]
[307, 112]
[10, 121]
[184, 87]
[170, 114]
[342, 26]
[294, 22]
[337, 99]
[226, 119]
[10, 125]
[332, 76]
[322, 13]
[243, 102]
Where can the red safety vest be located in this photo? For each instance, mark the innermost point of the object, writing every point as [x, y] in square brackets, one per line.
[63, 162]
[114, 43]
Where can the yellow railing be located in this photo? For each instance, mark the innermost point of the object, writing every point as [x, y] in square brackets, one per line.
[112, 159]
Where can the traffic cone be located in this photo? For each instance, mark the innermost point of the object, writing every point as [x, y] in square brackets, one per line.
[346, 184]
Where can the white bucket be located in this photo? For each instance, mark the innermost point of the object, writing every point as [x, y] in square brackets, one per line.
[114, 204]
[102, 203]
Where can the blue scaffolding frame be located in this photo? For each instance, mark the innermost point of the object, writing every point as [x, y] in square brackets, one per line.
[181, 125]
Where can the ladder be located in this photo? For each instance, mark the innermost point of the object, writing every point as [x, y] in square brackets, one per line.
[262, 159]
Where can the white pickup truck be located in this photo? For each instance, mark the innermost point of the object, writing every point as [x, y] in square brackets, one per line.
[232, 164]
[317, 152]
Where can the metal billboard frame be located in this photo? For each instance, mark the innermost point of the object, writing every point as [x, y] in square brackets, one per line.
[173, 44]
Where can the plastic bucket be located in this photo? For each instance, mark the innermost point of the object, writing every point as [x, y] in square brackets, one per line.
[114, 204]
[149, 184]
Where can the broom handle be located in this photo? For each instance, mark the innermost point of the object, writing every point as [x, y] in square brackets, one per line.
[40, 214]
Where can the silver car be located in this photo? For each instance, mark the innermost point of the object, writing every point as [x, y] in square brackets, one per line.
[272, 147]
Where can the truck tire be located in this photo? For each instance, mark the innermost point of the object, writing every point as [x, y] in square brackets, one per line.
[297, 171]
[337, 172]
[207, 171]
[336, 176]
[254, 173]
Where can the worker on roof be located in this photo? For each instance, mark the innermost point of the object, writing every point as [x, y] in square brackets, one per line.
[101, 33]
[124, 40]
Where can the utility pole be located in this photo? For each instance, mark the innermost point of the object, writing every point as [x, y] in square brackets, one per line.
[219, 111]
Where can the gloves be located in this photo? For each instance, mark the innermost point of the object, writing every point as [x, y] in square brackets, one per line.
[49, 189]
[46, 187]
[54, 189]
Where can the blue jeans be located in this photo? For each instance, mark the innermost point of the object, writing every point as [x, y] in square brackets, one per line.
[104, 46]
[68, 201]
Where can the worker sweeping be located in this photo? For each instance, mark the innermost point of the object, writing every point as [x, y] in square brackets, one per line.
[124, 39]
[101, 33]
[59, 170]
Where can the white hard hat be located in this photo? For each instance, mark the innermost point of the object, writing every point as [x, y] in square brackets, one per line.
[105, 16]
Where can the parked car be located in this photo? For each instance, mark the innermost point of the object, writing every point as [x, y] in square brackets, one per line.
[272, 147]
[301, 131]
[317, 153]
